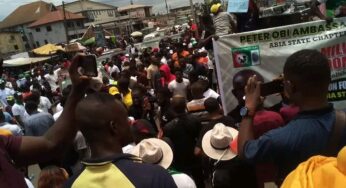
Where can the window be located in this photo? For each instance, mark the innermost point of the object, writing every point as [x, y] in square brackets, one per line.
[45, 41]
[49, 28]
[16, 47]
[12, 37]
[70, 25]
[110, 13]
[37, 44]
[38, 29]
[79, 24]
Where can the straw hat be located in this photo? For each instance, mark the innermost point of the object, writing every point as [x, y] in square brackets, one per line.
[216, 142]
[154, 151]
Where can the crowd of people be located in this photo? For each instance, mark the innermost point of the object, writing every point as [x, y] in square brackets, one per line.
[154, 118]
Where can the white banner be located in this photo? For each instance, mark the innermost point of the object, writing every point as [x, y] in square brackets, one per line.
[266, 51]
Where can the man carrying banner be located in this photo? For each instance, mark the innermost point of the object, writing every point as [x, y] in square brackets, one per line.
[224, 22]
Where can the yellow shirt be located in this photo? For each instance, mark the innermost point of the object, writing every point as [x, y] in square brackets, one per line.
[319, 172]
[127, 99]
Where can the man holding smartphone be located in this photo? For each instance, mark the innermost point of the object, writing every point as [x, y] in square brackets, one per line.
[28, 150]
[306, 81]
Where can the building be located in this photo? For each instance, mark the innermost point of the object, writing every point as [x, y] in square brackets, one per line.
[23, 16]
[10, 43]
[136, 11]
[131, 18]
[50, 28]
[93, 11]
[181, 11]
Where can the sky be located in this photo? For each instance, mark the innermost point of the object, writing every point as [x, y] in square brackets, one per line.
[7, 6]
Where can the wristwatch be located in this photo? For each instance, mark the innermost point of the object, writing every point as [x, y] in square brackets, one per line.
[245, 112]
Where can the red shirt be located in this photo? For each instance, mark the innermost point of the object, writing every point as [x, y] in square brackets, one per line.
[265, 121]
[9, 176]
[194, 27]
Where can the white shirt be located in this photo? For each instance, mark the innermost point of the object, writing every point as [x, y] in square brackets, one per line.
[179, 88]
[59, 108]
[19, 110]
[4, 94]
[15, 129]
[114, 69]
[52, 80]
[211, 93]
[128, 148]
[28, 183]
[183, 181]
[45, 104]
[57, 115]
[133, 50]
[163, 60]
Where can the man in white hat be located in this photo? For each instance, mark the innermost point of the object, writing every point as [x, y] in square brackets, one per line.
[156, 151]
[183, 131]
[226, 169]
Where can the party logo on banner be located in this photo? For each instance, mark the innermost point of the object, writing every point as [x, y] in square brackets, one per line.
[246, 56]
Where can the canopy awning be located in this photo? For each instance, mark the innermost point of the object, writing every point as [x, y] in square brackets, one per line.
[48, 49]
[23, 61]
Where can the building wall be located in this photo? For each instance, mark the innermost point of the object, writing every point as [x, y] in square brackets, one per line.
[57, 33]
[11, 42]
[85, 5]
[139, 12]
[100, 15]
[93, 11]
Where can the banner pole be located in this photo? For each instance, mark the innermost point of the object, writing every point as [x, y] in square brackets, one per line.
[218, 75]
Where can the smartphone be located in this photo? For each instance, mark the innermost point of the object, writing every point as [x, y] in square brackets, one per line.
[88, 66]
[271, 88]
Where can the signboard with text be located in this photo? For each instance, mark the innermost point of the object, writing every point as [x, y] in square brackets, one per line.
[238, 6]
[267, 50]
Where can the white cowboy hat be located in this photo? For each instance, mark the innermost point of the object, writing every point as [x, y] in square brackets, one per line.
[154, 151]
[216, 142]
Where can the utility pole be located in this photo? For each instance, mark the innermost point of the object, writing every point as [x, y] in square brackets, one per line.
[65, 23]
[167, 7]
[193, 11]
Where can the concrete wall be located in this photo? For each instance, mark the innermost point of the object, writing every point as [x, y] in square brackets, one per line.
[137, 13]
[100, 15]
[10, 41]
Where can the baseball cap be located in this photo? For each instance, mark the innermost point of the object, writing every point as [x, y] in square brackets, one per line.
[215, 7]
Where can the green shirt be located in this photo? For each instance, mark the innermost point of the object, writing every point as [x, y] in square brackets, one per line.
[332, 5]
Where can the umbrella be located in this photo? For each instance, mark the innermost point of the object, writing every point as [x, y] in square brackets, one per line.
[23, 61]
[48, 49]
[136, 34]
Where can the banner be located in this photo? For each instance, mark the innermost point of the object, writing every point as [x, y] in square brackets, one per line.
[266, 51]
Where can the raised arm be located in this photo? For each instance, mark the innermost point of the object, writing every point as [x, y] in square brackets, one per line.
[246, 132]
[62, 133]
